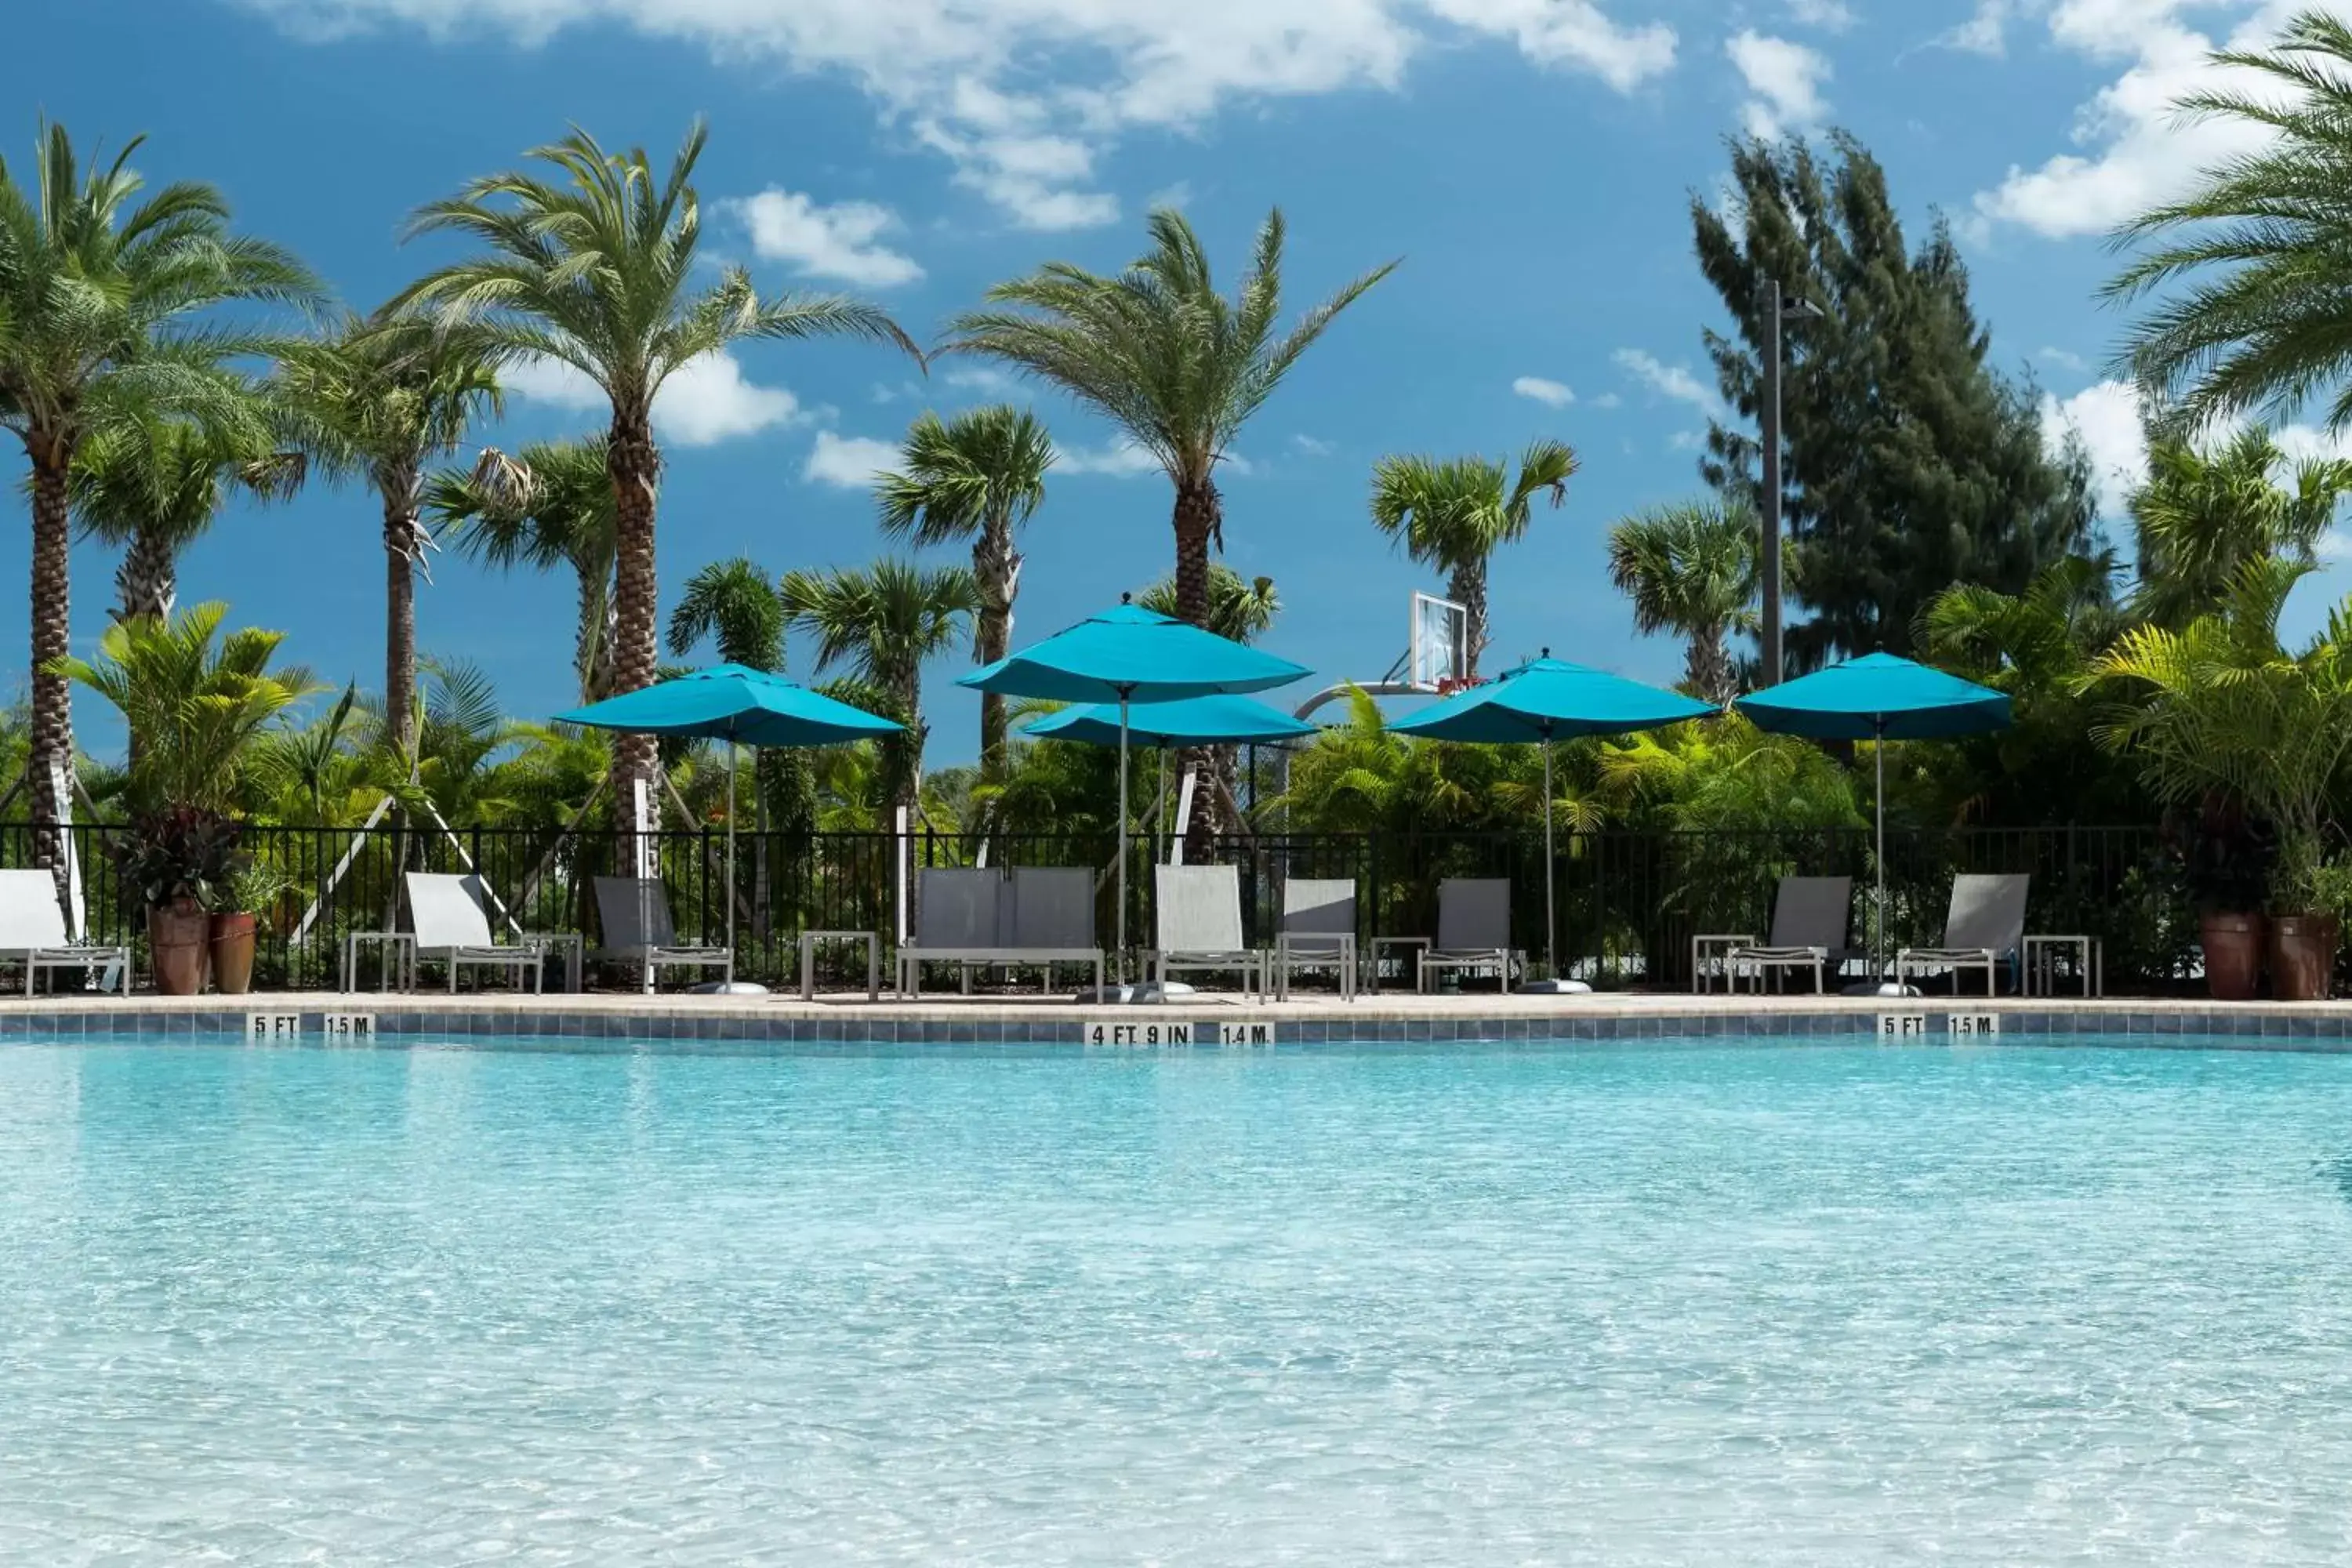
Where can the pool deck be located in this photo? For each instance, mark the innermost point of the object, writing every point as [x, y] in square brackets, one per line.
[848, 1017]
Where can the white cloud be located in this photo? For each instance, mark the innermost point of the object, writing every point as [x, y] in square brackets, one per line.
[1673, 381]
[849, 462]
[2134, 150]
[1023, 96]
[1550, 394]
[986, 380]
[1986, 32]
[1606, 400]
[2107, 419]
[1784, 81]
[1686, 440]
[1307, 445]
[1178, 196]
[2065, 359]
[704, 402]
[1119, 458]
[2336, 545]
[1830, 16]
[838, 241]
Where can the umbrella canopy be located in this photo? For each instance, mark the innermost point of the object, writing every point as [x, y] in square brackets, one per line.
[1876, 697]
[734, 703]
[1132, 654]
[1549, 698]
[1189, 721]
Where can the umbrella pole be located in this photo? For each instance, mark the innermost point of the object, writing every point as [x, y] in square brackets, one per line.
[1119, 972]
[1878, 940]
[730, 844]
[1551, 922]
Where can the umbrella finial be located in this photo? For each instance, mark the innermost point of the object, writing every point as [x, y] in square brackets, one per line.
[1126, 598]
[1547, 652]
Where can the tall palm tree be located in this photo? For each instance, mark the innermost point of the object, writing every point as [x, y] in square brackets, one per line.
[95, 294]
[1241, 609]
[1162, 355]
[595, 268]
[1453, 513]
[379, 400]
[152, 484]
[2265, 319]
[883, 623]
[1692, 569]
[2201, 516]
[977, 477]
[552, 508]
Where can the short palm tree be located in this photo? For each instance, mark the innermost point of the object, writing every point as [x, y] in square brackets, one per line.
[379, 401]
[1692, 569]
[95, 294]
[2262, 241]
[200, 703]
[550, 508]
[596, 267]
[1453, 513]
[1241, 609]
[2201, 516]
[978, 477]
[152, 484]
[1158, 351]
[883, 623]
[737, 605]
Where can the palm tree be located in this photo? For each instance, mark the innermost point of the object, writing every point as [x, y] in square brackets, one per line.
[595, 268]
[1455, 513]
[737, 604]
[552, 508]
[2267, 321]
[95, 293]
[883, 623]
[379, 400]
[1241, 609]
[978, 477]
[1158, 351]
[199, 703]
[1692, 569]
[152, 484]
[2201, 516]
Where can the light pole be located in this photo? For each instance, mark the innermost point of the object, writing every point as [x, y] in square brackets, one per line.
[1774, 308]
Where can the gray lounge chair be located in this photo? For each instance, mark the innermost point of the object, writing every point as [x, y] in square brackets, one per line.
[453, 929]
[1811, 917]
[1040, 915]
[33, 933]
[635, 914]
[1474, 930]
[1197, 915]
[1319, 930]
[1984, 929]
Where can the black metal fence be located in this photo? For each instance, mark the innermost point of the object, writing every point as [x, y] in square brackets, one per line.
[1629, 903]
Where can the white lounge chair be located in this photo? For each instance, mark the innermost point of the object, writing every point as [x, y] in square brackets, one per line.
[1811, 917]
[968, 916]
[1984, 928]
[1319, 932]
[1197, 919]
[635, 913]
[1474, 930]
[453, 929]
[33, 933]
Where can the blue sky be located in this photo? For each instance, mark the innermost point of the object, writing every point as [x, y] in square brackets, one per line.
[1529, 160]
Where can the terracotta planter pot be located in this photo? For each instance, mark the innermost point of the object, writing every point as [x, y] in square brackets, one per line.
[232, 940]
[2303, 957]
[2233, 955]
[177, 938]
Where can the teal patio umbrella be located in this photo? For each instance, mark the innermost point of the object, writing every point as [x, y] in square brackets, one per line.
[1187, 722]
[1543, 700]
[1878, 698]
[1125, 655]
[740, 706]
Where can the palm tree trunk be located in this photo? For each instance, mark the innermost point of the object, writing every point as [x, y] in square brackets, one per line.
[52, 627]
[1468, 588]
[147, 582]
[996, 568]
[592, 639]
[1200, 523]
[635, 464]
[404, 531]
[1707, 666]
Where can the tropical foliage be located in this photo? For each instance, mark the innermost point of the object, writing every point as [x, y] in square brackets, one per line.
[1693, 570]
[1453, 513]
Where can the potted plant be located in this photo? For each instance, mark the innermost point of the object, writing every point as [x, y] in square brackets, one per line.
[2304, 944]
[2225, 862]
[176, 862]
[252, 891]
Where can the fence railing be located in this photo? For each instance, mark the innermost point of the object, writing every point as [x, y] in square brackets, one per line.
[1628, 901]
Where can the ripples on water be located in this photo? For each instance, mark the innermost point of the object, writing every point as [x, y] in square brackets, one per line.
[1449, 1306]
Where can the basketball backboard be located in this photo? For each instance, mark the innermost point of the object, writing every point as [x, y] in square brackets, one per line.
[1441, 643]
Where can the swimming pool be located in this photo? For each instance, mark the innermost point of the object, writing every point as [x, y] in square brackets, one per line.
[1460, 1304]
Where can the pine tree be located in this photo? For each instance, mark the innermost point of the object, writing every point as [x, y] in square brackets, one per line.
[1909, 464]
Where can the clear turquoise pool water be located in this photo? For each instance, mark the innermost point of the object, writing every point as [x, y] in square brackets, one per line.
[1451, 1305]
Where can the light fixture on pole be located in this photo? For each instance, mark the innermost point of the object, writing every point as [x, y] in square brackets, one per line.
[1774, 308]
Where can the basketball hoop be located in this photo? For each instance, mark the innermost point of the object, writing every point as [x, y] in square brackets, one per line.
[1439, 653]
